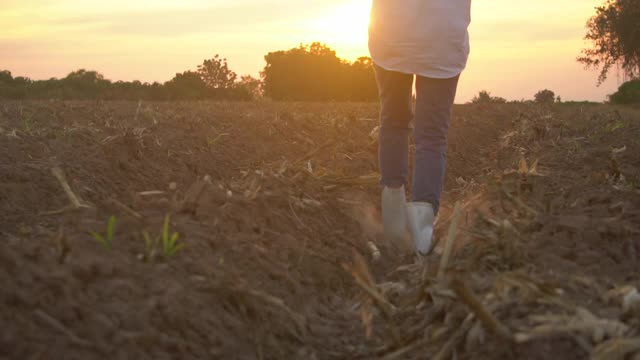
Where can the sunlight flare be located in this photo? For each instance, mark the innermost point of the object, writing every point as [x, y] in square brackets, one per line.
[345, 23]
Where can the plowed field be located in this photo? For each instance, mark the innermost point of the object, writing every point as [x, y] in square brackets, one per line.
[279, 254]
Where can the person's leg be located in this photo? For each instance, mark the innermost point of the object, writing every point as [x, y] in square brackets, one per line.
[434, 101]
[433, 114]
[396, 113]
[395, 125]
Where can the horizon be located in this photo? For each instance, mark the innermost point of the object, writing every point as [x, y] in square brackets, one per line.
[515, 52]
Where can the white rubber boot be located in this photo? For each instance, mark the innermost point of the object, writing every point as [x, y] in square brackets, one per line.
[420, 219]
[394, 216]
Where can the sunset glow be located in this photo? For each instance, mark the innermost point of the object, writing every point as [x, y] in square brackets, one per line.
[346, 23]
[517, 49]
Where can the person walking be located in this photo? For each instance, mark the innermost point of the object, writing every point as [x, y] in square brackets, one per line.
[428, 40]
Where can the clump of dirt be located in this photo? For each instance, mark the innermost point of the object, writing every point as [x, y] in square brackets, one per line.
[279, 253]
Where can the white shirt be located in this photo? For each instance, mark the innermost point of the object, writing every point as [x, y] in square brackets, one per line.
[423, 37]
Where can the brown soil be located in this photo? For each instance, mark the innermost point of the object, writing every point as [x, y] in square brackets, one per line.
[276, 205]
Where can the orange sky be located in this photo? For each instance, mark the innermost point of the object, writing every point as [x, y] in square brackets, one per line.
[518, 48]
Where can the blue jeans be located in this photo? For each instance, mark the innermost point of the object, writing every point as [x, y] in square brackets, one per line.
[434, 102]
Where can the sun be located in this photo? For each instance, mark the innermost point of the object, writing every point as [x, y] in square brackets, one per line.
[344, 28]
[348, 22]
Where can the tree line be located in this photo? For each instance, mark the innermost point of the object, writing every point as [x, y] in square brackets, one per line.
[212, 80]
[307, 73]
[315, 73]
[544, 97]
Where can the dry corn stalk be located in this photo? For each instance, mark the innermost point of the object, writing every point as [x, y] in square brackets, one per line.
[453, 231]
[583, 322]
[616, 349]
[362, 276]
[482, 313]
[370, 179]
[73, 198]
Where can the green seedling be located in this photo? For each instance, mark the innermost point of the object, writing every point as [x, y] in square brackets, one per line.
[619, 124]
[150, 246]
[170, 245]
[107, 239]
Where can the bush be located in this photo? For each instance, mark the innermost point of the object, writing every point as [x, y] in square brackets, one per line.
[5, 77]
[628, 93]
[484, 97]
[545, 96]
[315, 73]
